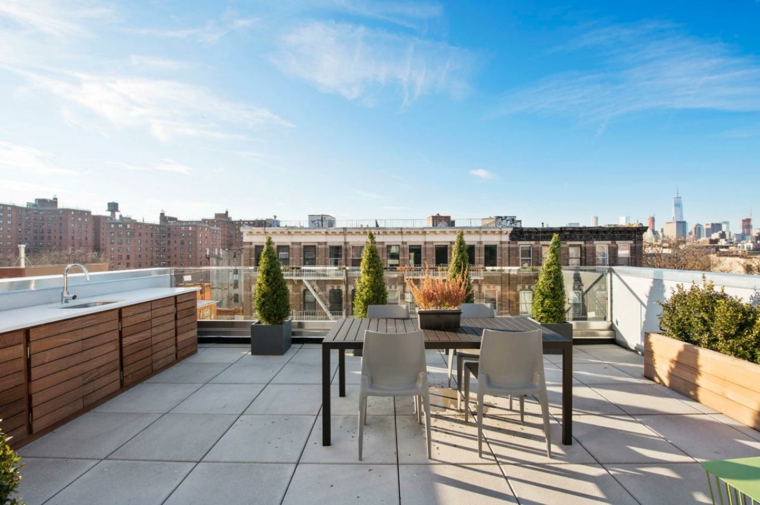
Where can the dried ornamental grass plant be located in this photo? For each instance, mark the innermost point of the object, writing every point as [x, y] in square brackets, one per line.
[439, 293]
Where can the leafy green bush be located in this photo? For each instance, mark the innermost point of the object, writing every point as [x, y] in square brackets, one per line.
[549, 293]
[370, 286]
[704, 316]
[271, 297]
[10, 477]
[460, 265]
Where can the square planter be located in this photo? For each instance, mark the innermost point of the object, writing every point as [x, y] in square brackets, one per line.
[439, 319]
[727, 384]
[565, 329]
[271, 339]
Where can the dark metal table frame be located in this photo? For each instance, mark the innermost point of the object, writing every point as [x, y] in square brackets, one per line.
[349, 334]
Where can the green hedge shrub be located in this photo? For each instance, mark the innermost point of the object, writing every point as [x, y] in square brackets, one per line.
[710, 318]
[10, 466]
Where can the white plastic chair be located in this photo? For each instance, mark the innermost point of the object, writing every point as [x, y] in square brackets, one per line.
[511, 364]
[394, 365]
[388, 312]
[469, 310]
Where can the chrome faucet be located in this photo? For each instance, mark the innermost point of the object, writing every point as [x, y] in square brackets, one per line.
[65, 295]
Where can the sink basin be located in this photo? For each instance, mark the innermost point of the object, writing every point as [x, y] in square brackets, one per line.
[86, 305]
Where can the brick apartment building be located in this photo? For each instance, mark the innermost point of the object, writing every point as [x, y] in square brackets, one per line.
[504, 260]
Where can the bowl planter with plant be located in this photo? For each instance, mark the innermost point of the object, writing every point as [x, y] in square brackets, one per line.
[438, 299]
[271, 333]
[549, 294]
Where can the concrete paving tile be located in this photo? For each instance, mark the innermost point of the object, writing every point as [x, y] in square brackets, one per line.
[94, 435]
[123, 482]
[283, 358]
[176, 437]
[307, 372]
[624, 440]
[288, 399]
[219, 399]
[263, 439]
[219, 355]
[191, 373]
[601, 373]
[615, 356]
[565, 484]
[454, 485]
[233, 484]
[746, 430]
[702, 437]
[638, 399]
[585, 401]
[514, 442]
[42, 478]
[311, 355]
[349, 404]
[149, 398]
[353, 371]
[453, 442]
[379, 442]
[335, 484]
[443, 401]
[663, 484]
[248, 372]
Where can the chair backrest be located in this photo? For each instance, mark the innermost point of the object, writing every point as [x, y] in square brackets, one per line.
[511, 358]
[477, 310]
[388, 312]
[394, 359]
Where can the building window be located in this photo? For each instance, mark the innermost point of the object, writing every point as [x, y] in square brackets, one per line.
[283, 253]
[441, 255]
[236, 298]
[544, 253]
[624, 254]
[415, 255]
[309, 255]
[257, 252]
[394, 253]
[336, 255]
[471, 254]
[393, 296]
[576, 303]
[489, 252]
[336, 300]
[602, 256]
[526, 258]
[356, 255]
[574, 259]
[309, 302]
[526, 303]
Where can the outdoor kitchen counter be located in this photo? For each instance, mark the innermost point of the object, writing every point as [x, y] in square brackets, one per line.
[17, 319]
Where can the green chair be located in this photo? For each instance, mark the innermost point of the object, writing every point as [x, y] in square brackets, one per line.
[737, 479]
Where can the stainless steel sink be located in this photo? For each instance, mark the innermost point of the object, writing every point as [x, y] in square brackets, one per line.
[88, 305]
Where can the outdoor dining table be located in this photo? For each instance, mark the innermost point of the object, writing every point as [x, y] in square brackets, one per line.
[349, 334]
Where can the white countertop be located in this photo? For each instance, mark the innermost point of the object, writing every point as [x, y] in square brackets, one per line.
[27, 317]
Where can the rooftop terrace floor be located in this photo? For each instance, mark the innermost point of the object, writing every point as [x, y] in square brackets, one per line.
[226, 427]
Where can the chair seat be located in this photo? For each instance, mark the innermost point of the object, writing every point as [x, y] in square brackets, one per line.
[468, 353]
[376, 390]
[518, 389]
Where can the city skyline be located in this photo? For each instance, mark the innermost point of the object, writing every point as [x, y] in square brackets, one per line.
[554, 113]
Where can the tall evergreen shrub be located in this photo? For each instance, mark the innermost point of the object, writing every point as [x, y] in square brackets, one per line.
[271, 297]
[10, 477]
[549, 294]
[460, 265]
[370, 286]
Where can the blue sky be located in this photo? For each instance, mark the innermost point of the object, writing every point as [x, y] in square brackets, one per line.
[366, 109]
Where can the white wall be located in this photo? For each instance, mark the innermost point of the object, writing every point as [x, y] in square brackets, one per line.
[636, 291]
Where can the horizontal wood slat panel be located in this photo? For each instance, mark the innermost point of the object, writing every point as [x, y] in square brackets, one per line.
[187, 320]
[67, 325]
[135, 309]
[48, 356]
[187, 327]
[41, 371]
[138, 365]
[126, 322]
[14, 366]
[137, 337]
[51, 380]
[188, 335]
[187, 351]
[56, 403]
[162, 311]
[191, 305]
[11, 381]
[73, 336]
[132, 352]
[14, 422]
[63, 412]
[164, 328]
[9, 353]
[12, 338]
[161, 320]
[163, 363]
[163, 302]
[185, 297]
[13, 394]
[189, 312]
[104, 391]
[137, 328]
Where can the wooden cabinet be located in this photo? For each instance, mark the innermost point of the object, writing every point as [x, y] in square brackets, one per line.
[14, 407]
[51, 372]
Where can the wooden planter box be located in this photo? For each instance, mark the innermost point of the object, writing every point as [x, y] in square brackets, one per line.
[726, 384]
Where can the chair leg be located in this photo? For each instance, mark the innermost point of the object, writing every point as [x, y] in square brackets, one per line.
[544, 400]
[451, 362]
[480, 422]
[466, 396]
[362, 418]
[510, 402]
[366, 408]
[418, 401]
[522, 409]
[460, 370]
[426, 399]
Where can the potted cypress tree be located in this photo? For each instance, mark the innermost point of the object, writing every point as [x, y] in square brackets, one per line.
[271, 334]
[370, 286]
[460, 265]
[10, 467]
[549, 295]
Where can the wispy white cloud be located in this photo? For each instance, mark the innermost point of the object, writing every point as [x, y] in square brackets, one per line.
[19, 158]
[644, 67]
[172, 166]
[54, 17]
[483, 174]
[165, 108]
[367, 194]
[156, 62]
[26, 187]
[406, 14]
[210, 33]
[357, 62]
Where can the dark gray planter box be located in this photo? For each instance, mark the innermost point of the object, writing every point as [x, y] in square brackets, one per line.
[439, 319]
[271, 339]
[565, 329]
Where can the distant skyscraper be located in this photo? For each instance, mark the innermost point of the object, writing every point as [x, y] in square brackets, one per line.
[697, 232]
[594, 220]
[677, 208]
[747, 226]
[624, 220]
[651, 224]
[711, 228]
[727, 227]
